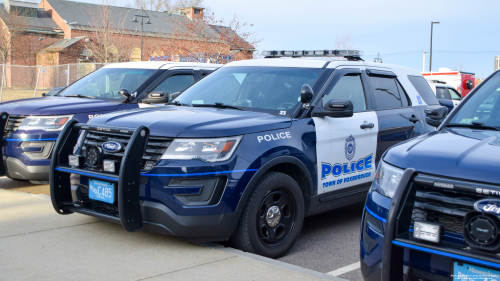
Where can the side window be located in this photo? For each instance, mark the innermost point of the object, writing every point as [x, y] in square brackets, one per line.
[205, 72]
[386, 93]
[349, 87]
[454, 94]
[442, 93]
[423, 89]
[176, 83]
[404, 97]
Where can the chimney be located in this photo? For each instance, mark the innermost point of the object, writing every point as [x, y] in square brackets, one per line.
[193, 12]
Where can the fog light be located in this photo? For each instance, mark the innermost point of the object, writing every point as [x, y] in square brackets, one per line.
[427, 231]
[110, 165]
[75, 160]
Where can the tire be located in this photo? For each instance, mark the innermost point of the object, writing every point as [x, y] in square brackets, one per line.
[257, 232]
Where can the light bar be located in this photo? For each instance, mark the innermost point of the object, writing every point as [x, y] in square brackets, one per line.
[313, 53]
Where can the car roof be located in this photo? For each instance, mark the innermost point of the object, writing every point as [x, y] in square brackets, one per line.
[162, 65]
[319, 62]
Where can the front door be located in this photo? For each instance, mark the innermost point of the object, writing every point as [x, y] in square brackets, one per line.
[346, 147]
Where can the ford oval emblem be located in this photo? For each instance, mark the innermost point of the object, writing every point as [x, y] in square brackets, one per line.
[112, 146]
[488, 205]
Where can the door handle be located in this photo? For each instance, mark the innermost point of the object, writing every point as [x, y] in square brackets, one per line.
[414, 119]
[367, 126]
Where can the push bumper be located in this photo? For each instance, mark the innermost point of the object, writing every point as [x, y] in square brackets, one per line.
[131, 212]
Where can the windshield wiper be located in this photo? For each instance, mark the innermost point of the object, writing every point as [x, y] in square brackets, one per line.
[79, 96]
[475, 125]
[219, 105]
[178, 103]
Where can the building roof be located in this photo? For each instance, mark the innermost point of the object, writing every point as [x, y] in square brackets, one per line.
[81, 16]
[43, 23]
[63, 44]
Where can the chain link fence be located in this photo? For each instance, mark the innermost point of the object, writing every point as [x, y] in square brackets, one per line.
[21, 82]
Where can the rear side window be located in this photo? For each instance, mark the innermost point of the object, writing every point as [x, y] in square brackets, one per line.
[454, 95]
[423, 89]
[387, 94]
[442, 93]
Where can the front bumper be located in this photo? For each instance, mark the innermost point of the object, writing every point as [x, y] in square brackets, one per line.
[137, 206]
[391, 253]
[16, 169]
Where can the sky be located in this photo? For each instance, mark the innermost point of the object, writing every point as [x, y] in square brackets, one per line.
[467, 38]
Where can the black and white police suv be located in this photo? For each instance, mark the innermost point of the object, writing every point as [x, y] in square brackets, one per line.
[246, 153]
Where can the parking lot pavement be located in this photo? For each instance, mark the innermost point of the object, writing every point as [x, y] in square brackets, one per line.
[36, 243]
[330, 242]
[24, 186]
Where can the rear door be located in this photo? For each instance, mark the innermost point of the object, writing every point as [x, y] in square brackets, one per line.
[346, 146]
[397, 119]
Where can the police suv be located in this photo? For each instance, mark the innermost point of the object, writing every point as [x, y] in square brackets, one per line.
[433, 210]
[246, 153]
[31, 126]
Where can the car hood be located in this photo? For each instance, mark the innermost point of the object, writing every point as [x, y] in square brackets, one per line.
[181, 121]
[458, 153]
[56, 106]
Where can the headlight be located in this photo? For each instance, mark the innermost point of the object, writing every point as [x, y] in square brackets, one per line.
[46, 123]
[208, 150]
[387, 179]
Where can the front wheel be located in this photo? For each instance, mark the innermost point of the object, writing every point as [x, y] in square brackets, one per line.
[272, 218]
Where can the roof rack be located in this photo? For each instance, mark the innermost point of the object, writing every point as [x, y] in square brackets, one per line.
[348, 54]
[436, 81]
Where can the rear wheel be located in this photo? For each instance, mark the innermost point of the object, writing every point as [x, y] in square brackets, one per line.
[272, 218]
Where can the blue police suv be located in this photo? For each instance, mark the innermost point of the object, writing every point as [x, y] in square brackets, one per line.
[433, 210]
[31, 126]
[245, 153]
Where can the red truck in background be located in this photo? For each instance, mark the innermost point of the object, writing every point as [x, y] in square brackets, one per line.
[462, 81]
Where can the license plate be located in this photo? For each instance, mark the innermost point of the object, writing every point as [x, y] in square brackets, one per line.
[463, 271]
[102, 191]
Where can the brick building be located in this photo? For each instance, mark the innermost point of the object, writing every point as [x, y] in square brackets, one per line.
[58, 32]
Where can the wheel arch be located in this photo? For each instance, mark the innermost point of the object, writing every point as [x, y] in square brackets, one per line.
[288, 165]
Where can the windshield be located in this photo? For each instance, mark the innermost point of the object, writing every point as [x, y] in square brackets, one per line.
[483, 107]
[274, 90]
[106, 82]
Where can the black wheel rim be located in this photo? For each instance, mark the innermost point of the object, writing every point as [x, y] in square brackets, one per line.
[274, 235]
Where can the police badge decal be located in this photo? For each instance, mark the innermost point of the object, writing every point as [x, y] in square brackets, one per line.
[350, 147]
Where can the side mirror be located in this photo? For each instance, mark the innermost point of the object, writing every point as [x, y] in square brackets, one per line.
[435, 115]
[44, 94]
[335, 109]
[174, 95]
[306, 94]
[124, 93]
[156, 97]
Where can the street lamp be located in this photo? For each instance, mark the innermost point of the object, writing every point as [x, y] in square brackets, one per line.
[148, 21]
[430, 54]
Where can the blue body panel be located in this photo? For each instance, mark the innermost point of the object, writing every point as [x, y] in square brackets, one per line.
[82, 109]
[295, 138]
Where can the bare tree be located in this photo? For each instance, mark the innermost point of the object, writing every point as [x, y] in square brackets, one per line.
[11, 27]
[210, 40]
[344, 42]
[107, 41]
[154, 5]
[179, 4]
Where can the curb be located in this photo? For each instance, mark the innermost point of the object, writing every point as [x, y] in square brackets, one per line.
[317, 274]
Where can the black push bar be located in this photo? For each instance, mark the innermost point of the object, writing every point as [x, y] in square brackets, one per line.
[128, 179]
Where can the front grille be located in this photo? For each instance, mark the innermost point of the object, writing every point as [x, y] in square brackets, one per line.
[154, 150]
[12, 124]
[439, 205]
[98, 206]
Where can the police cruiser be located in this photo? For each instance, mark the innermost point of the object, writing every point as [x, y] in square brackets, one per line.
[246, 153]
[31, 126]
[433, 211]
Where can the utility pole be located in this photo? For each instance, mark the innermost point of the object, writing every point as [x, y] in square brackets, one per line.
[378, 58]
[430, 54]
[423, 65]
